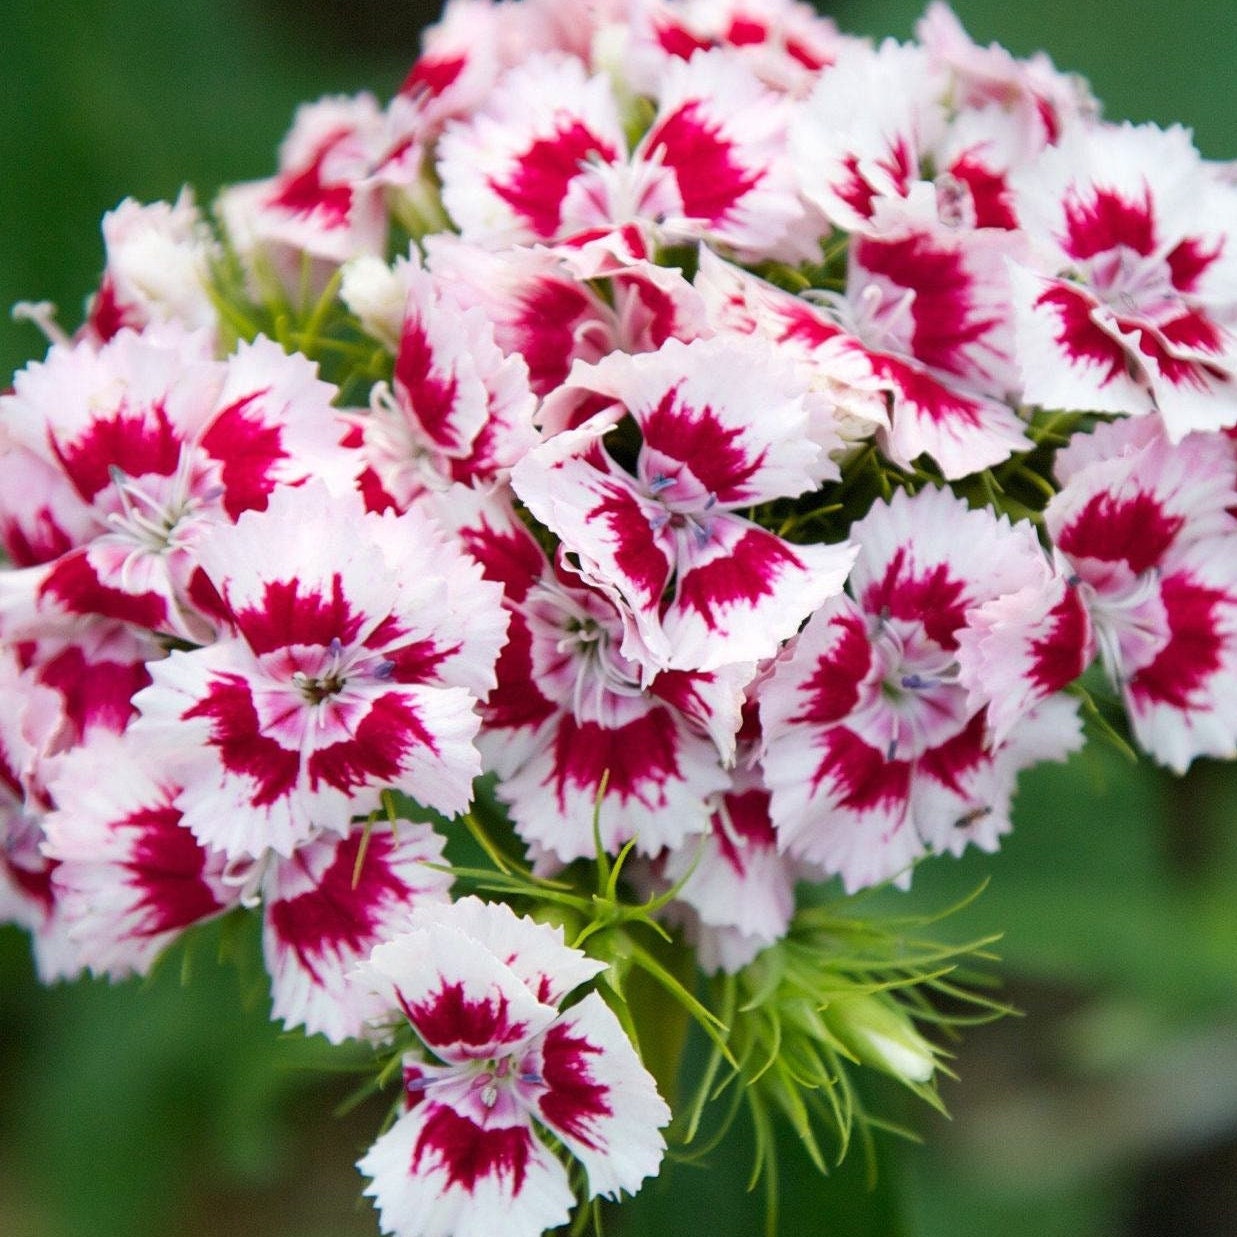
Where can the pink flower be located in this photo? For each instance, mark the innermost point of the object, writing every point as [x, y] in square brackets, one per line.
[361, 645]
[874, 751]
[1043, 101]
[131, 452]
[1147, 529]
[158, 268]
[457, 409]
[1128, 305]
[129, 877]
[784, 42]
[32, 737]
[548, 158]
[326, 202]
[739, 888]
[720, 426]
[483, 990]
[574, 734]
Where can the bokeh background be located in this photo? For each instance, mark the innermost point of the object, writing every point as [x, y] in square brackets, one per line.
[1109, 1109]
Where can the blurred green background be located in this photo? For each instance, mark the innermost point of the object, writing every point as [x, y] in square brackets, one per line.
[1108, 1110]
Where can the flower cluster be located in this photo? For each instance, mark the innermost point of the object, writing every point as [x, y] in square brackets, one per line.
[731, 439]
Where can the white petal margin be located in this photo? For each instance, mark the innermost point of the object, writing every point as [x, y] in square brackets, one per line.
[417, 1195]
[620, 1147]
[535, 951]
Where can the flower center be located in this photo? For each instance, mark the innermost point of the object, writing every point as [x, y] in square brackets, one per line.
[915, 701]
[332, 676]
[1131, 283]
[155, 512]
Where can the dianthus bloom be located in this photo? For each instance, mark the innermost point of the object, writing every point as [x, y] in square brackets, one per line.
[677, 448]
[357, 648]
[484, 990]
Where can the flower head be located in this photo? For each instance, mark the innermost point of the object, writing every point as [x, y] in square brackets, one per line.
[483, 989]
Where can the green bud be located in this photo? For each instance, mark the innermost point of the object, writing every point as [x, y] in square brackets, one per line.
[879, 1033]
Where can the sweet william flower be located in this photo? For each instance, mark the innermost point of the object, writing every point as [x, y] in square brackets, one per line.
[128, 878]
[1129, 306]
[483, 989]
[129, 452]
[576, 740]
[875, 753]
[722, 427]
[360, 646]
[1148, 531]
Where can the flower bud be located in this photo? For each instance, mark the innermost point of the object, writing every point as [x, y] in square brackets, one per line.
[881, 1034]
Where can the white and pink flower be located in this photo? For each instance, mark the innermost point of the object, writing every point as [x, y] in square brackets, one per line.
[874, 752]
[1149, 534]
[483, 989]
[359, 647]
[129, 878]
[138, 448]
[1129, 304]
[718, 425]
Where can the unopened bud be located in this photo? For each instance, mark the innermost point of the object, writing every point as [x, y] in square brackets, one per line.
[882, 1035]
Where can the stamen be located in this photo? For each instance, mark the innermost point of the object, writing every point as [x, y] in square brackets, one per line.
[42, 314]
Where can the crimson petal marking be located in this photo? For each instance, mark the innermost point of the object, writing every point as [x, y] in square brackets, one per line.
[342, 914]
[675, 39]
[432, 74]
[33, 537]
[541, 174]
[1061, 654]
[710, 180]
[861, 779]
[637, 760]
[1194, 330]
[417, 661]
[932, 598]
[243, 749]
[990, 192]
[946, 323]
[1097, 224]
[249, 448]
[858, 192]
[375, 753]
[517, 703]
[469, 1154]
[699, 438]
[511, 557]
[286, 616]
[166, 864]
[1189, 260]
[1194, 650]
[449, 1017]
[745, 32]
[961, 432]
[644, 566]
[305, 195]
[832, 689]
[1079, 337]
[748, 816]
[76, 586]
[573, 1101]
[949, 762]
[747, 575]
[429, 393]
[108, 317]
[1135, 530]
[550, 329]
[96, 693]
[1179, 371]
[140, 443]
